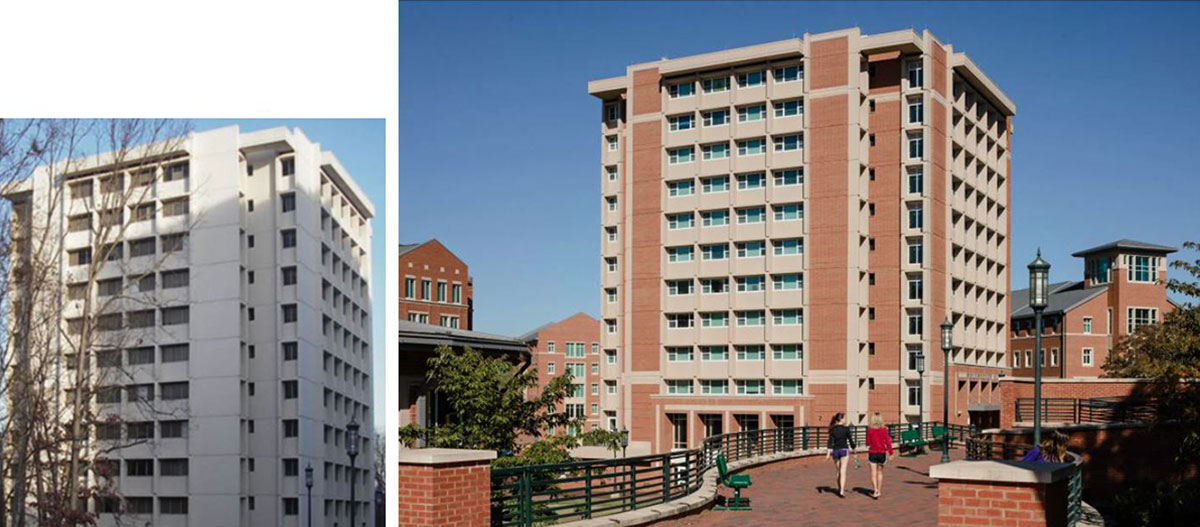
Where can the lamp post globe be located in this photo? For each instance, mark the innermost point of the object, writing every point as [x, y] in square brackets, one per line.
[947, 344]
[1039, 298]
[352, 440]
[920, 364]
[624, 440]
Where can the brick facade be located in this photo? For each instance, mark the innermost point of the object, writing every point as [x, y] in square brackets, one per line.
[432, 266]
[972, 504]
[553, 346]
[437, 489]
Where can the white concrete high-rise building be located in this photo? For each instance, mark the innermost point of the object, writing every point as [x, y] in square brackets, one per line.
[242, 326]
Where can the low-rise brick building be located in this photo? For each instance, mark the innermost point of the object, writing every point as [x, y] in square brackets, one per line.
[435, 286]
[573, 344]
[1124, 286]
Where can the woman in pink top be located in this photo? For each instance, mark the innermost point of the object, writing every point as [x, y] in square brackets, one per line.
[879, 447]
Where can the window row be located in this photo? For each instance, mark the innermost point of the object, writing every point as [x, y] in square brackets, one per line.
[141, 355]
[141, 505]
[111, 468]
[721, 251]
[745, 216]
[747, 318]
[115, 183]
[136, 393]
[115, 217]
[425, 292]
[142, 318]
[743, 352]
[745, 114]
[740, 387]
[147, 283]
[744, 284]
[165, 244]
[574, 349]
[746, 79]
[745, 148]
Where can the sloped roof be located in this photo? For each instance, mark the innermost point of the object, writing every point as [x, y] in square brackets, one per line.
[416, 335]
[531, 336]
[1063, 297]
[404, 248]
[1127, 244]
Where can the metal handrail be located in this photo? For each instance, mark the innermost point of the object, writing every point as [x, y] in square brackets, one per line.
[546, 494]
[1092, 410]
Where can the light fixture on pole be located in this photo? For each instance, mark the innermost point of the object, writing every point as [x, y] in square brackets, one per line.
[1039, 298]
[624, 440]
[352, 451]
[308, 482]
[920, 359]
[947, 333]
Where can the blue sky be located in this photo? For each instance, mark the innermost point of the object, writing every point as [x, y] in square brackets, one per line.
[499, 142]
[359, 145]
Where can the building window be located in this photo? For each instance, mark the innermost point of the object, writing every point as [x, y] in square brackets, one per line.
[1142, 269]
[684, 187]
[715, 184]
[680, 320]
[679, 287]
[1054, 357]
[141, 247]
[750, 284]
[679, 387]
[715, 151]
[916, 180]
[787, 143]
[752, 147]
[291, 506]
[676, 123]
[174, 279]
[787, 317]
[441, 291]
[287, 201]
[714, 218]
[788, 282]
[716, 118]
[789, 212]
[914, 395]
[752, 215]
[680, 221]
[916, 145]
[718, 251]
[288, 166]
[915, 251]
[789, 74]
[674, 255]
[916, 323]
[916, 74]
[1140, 316]
[791, 246]
[916, 217]
[612, 142]
[714, 353]
[172, 316]
[291, 389]
[550, 368]
[714, 319]
[291, 428]
[788, 108]
[756, 249]
[756, 318]
[611, 295]
[714, 386]
[750, 352]
[787, 352]
[175, 207]
[289, 313]
[787, 387]
[916, 110]
[784, 178]
[712, 286]
[679, 431]
[612, 326]
[288, 274]
[610, 112]
[176, 172]
[611, 172]
[916, 288]
[610, 264]
[425, 289]
[139, 467]
[755, 112]
[173, 391]
[1087, 325]
[751, 78]
[1087, 356]
[715, 85]
[751, 181]
[456, 293]
[288, 237]
[750, 387]
[290, 350]
[610, 356]
[81, 190]
[681, 90]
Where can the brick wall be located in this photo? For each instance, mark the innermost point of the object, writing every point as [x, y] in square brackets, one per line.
[443, 487]
[971, 503]
[432, 261]
[1012, 389]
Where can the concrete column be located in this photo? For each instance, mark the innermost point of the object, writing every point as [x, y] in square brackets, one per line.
[445, 487]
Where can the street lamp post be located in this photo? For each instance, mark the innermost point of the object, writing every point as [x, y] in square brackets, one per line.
[921, 397]
[308, 471]
[947, 330]
[1039, 298]
[624, 445]
[352, 451]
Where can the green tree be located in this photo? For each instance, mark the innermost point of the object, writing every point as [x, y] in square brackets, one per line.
[489, 409]
[1168, 354]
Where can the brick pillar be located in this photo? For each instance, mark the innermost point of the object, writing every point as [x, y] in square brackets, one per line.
[445, 487]
[1001, 493]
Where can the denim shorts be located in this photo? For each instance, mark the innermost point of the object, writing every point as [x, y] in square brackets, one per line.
[839, 453]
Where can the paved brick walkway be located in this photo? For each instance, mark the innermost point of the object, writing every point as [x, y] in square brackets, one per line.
[801, 492]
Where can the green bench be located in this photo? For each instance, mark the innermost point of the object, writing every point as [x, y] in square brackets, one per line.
[911, 440]
[938, 433]
[737, 482]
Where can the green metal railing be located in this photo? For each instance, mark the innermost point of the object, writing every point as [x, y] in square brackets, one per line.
[1093, 410]
[554, 493]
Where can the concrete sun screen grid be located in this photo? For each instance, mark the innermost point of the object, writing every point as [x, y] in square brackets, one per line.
[242, 278]
[816, 274]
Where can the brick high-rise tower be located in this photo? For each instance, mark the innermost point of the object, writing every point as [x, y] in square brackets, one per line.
[784, 226]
